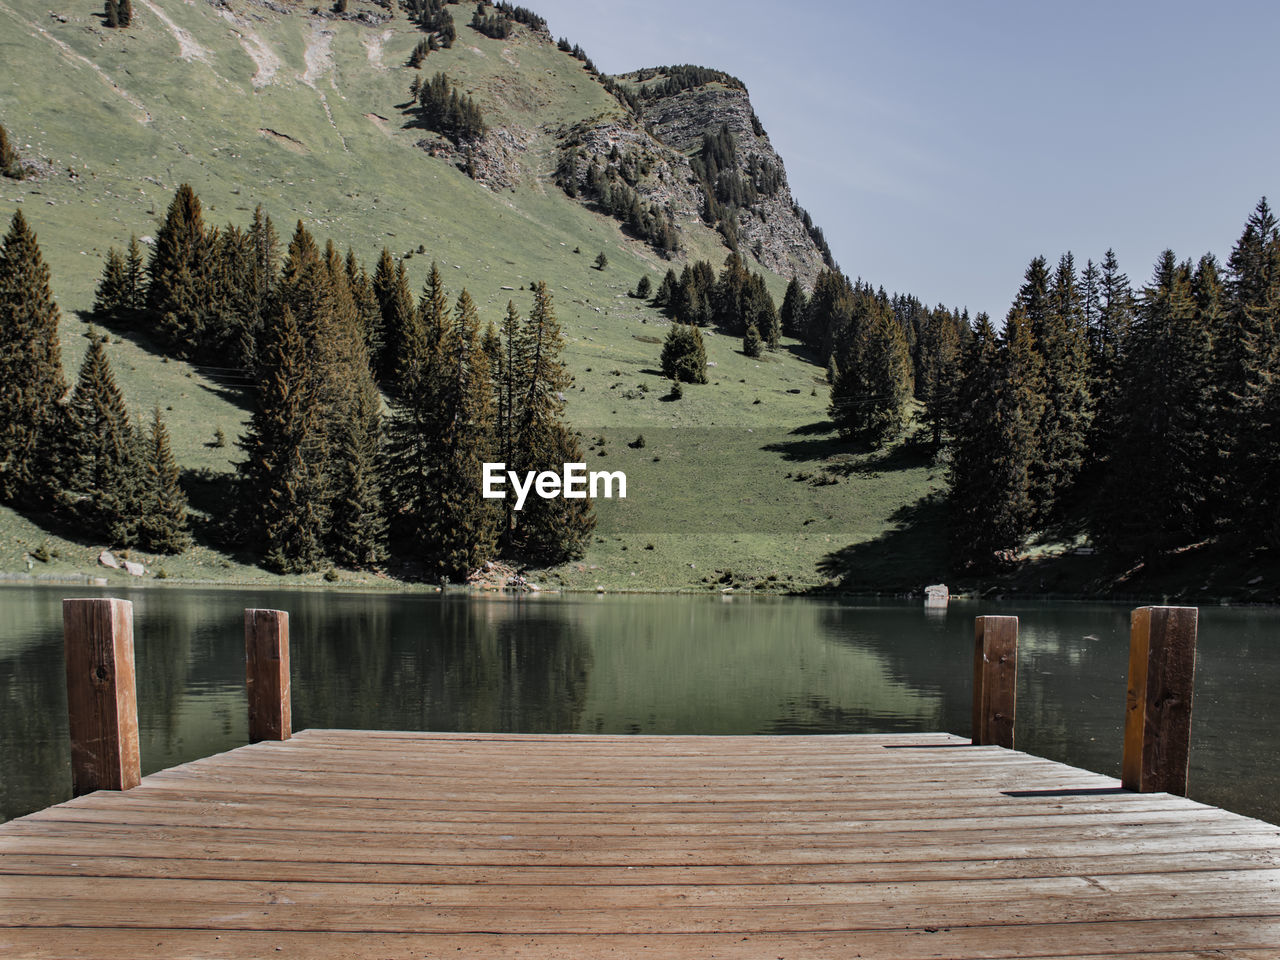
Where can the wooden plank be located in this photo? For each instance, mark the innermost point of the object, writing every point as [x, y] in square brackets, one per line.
[283, 870]
[1157, 727]
[102, 702]
[1246, 939]
[266, 645]
[1195, 890]
[995, 673]
[571, 915]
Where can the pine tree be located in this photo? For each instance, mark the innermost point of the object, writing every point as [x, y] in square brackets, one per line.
[643, 288]
[940, 350]
[416, 426]
[546, 531]
[997, 414]
[1115, 321]
[103, 485]
[135, 281]
[350, 412]
[1247, 359]
[367, 306]
[283, 478]
[162, 521]
[752, 345]
[684, 357]
[511, 377]
[870, 393]
[112, 13]
[727, 308]
[10, 162]
[358, 538]
[179, 295]
[125, 12]
[395, 306]
[264, 256]
[758, 310]
[1157, 488]
[1061, 338]
[110, 301]
[601, 261]
[461, 531]
[665, 296]
[31, 419]
[794, 307]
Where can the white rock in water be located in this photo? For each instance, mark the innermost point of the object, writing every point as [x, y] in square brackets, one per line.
[936, 595]
[134, 569]
[107, 560]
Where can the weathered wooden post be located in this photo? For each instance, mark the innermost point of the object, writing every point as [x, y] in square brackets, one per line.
[995, 674]
[102, 699]
[266, 672]
[1157, 722]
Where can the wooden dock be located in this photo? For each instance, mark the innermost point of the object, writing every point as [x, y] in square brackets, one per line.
[360, 844]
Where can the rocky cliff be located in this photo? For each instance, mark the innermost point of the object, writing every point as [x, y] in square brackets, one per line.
[770, 226]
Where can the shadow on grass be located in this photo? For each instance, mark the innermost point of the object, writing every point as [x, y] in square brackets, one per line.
[904, 558]
[907, 455]
[212, 498]
[231, 384]
[821, 443]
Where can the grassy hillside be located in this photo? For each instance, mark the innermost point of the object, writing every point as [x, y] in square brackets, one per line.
[739, 482]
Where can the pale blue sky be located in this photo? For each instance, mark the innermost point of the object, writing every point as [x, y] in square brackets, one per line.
[942, 145]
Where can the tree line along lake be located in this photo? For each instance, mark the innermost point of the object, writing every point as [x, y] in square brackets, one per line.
[633, 664]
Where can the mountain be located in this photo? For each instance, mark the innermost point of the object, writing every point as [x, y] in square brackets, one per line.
[308, 112]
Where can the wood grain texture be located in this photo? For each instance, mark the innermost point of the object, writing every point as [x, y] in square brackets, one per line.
[266, 668]
[995, 678]
[342, 844]
[1157, 727]
[102, 701]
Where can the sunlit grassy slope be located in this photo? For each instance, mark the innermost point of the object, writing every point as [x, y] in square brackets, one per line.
[306, 116]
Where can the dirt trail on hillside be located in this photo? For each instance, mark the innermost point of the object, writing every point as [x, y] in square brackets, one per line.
[266, 60]
[319, 55]
[189, 48]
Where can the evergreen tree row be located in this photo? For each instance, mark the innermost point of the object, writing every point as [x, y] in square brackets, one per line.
[494, 26]
[736, 302]
[328, 478]
[611, 187]
[676, 79]
[432, 17]
[442, 109]
[1152, 415]
[76, 457]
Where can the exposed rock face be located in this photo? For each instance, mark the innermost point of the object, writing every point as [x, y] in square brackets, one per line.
[771, 228]
[652, 158]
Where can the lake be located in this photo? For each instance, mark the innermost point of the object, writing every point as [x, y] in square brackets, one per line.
[633, 664]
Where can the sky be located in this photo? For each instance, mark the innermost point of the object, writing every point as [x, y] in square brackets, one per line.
[943, 145]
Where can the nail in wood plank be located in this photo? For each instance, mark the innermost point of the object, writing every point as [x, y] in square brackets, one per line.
[995, 674]
[1157, 723]
[102, 699]
[266, 647]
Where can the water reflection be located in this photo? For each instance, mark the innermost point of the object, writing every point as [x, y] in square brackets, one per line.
[632, 665]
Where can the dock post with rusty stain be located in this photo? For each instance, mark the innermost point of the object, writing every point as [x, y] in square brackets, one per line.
[995, 674]
[102, 698]
[1157, 723]
[266, 650]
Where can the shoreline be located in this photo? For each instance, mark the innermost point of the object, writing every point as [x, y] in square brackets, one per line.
[1006, 597]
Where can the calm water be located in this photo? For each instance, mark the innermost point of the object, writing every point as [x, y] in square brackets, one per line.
[633, 665]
